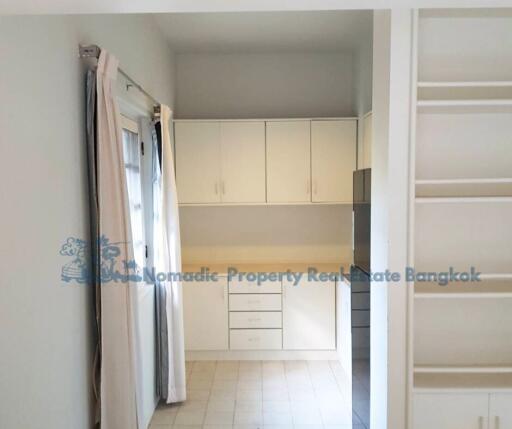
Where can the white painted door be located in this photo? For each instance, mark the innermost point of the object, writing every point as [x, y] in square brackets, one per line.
[242, 162]
[198, 161]
[451, 411]
[333, 159]
[205, 306]
[309, 315]
[288, 161]
[500, 411]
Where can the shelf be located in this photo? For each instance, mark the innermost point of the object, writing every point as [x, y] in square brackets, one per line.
[487, 288]
[472, 200]
[463, 369]
[465, 91]
[459, 381]
[499, 187]
[465, 105]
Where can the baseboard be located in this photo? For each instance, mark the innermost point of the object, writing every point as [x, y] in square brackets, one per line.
[262, 355]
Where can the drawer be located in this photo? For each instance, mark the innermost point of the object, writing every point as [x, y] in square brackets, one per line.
[360, 301]
[255, 319]
[255, 302]
[246, 286]
[256, 339]
[360, 337]
[360, 318]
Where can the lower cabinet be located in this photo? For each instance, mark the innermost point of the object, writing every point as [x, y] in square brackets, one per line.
[247, 316]
[205, 308]
[309, 315]
[462, 410]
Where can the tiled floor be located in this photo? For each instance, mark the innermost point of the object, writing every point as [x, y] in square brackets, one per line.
[261, 394]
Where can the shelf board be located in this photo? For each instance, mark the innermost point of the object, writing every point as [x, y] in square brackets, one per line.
[487, 288]
[477, 200]
[464, 93]
[465, 105]
[488, 187]
[465, 84]
[445, 381]
[463, 369]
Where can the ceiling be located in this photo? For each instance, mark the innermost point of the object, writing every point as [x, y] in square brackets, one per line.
[256, 32]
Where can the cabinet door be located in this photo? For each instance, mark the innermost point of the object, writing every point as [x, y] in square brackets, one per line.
[500, 411]
[198, 161]
[309, 315]
[205, 307]
[242, 162]
[288, 161]
[333, 159]
[450, 411]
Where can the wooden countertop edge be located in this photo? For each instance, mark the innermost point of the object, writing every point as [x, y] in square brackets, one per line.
[331, 267]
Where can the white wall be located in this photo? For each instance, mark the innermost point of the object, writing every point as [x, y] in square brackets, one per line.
[266, 234]
[47, 325]
[390, 199]
[264, 85]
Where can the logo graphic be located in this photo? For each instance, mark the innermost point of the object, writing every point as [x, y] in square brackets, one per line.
[79, 269]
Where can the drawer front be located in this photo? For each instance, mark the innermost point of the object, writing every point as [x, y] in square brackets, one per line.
[255, 319]
[360, 318]
[245, 286]
[361, 301]
[256, 339]
[360, 337]
[255, 302]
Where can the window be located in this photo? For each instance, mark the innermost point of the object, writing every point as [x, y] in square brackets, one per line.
[132, 159]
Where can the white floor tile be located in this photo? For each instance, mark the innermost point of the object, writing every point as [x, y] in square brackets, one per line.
[249, 395]
[219, 417]
[221, 405]
[249, 406]
[194, 417]
[277, 406]
[250, 418]
[277, 418]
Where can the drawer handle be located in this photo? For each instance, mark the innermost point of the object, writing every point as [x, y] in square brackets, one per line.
[253, 339]
[256, 319]
[254, 301]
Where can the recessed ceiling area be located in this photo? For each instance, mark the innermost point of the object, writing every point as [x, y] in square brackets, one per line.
[259, 32]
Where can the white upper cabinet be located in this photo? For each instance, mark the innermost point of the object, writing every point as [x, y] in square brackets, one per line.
[242, 162]
[288, 162]
[198, 162]
[309, 315]
[333, 159]
[248, 162]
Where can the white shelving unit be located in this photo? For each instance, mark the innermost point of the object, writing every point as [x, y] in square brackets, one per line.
[461, 206]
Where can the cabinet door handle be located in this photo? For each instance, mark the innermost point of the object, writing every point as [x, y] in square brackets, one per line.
[315, 187]
[216, 188]
[496, 422]
[480, 422]
[223, 188]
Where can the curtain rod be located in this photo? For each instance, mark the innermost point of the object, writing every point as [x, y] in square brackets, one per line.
[93, 51]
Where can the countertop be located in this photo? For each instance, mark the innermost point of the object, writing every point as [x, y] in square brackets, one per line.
[271, 267]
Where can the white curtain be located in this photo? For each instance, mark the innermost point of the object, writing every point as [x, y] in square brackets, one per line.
[170, 259]
[118, 296]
